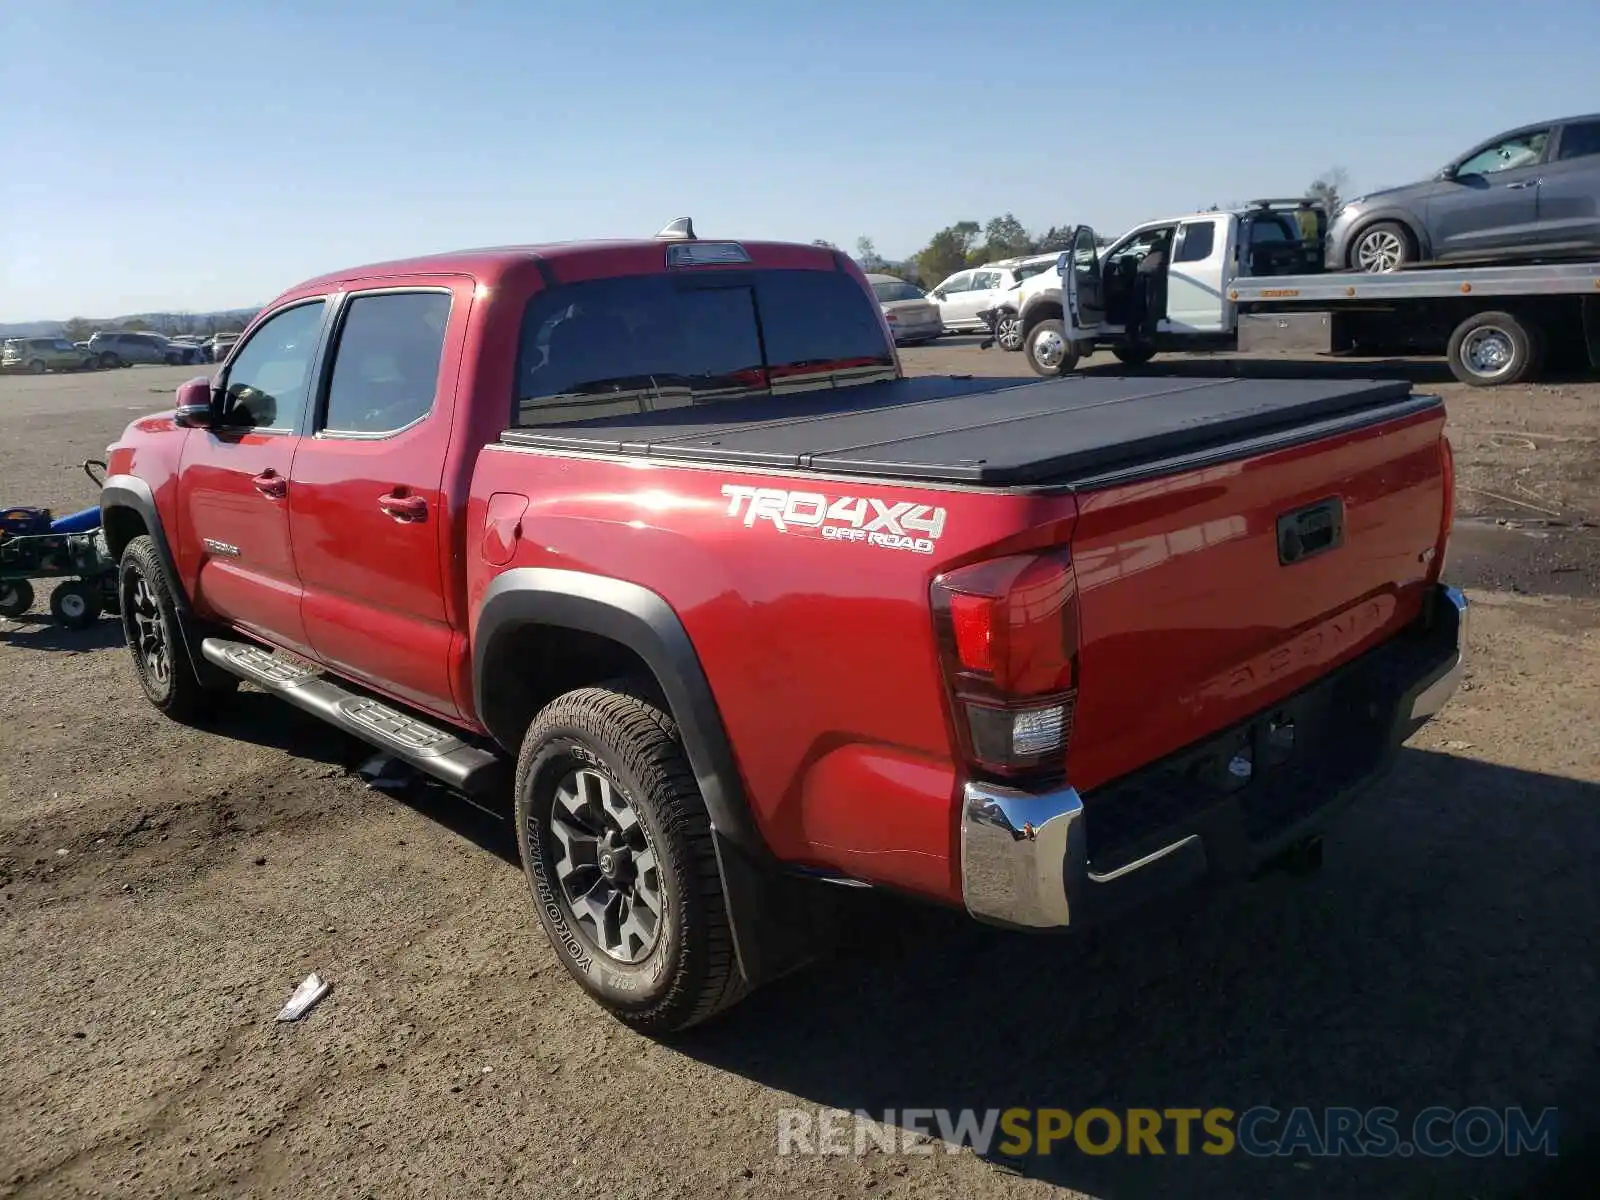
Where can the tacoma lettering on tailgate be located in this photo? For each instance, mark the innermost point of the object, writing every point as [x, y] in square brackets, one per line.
[892, 525]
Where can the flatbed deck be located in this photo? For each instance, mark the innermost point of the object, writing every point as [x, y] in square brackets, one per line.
[994, 432]
[1529, 279]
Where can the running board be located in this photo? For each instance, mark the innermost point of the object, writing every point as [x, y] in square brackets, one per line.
[428, 748]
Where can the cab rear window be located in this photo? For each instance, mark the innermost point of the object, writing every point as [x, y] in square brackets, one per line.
[641, 343]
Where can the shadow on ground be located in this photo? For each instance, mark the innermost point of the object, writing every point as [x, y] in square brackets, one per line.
[32, 632]
[1444, 956]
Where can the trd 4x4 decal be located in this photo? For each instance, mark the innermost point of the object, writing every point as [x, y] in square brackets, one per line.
[893, 525]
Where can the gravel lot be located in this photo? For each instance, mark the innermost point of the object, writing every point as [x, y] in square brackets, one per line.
[165, 889]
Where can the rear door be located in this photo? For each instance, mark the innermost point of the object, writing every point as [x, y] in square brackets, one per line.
[1569, 190]
[1082, 288]
[368, 512]
[234, 483]
[1194, 278]
[1490, 205]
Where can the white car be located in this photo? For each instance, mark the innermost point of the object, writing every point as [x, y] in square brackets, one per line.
[967, 293]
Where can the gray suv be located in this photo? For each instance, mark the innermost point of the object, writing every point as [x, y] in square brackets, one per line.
[1531, 193]
[125, 349]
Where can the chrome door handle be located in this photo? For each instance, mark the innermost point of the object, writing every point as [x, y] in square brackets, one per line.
[1526, 183]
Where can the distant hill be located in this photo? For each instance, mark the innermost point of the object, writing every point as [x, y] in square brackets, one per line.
[161, 322]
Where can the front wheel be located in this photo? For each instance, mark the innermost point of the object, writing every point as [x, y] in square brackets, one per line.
[36, 367]
[616, 843]
[109, 361]
[75, 605]
[16, 598]
[1134, 356]
[1382, 248]
[1008, 331]
[1493, 348]
[151, 625]
[1048, 351]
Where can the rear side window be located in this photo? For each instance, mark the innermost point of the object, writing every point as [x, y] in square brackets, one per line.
[386, 366]
[642, 343]
[1579, 141]
[1195, 241]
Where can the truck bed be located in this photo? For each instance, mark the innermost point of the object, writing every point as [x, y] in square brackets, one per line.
[997, 432]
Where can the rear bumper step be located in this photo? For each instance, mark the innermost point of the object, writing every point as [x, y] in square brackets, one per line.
[429, 748]
[1056, 858]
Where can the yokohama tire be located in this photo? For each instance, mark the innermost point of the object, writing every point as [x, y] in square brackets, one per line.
[611, 744]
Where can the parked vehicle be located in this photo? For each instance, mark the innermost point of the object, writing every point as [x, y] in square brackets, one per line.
[219, 345]
[40, 354]
[126, 348]
[736, 610]
[1233, 282]
[966, 293]
[912, 317]
[1532, 193]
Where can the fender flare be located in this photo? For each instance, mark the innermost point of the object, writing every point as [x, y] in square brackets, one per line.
[131, 492]
[1029, 313]
[635, 617]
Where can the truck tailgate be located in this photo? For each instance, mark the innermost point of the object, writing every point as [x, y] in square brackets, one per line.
[1214, 591]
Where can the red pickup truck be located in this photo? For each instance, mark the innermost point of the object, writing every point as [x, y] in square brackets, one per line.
[657, 535]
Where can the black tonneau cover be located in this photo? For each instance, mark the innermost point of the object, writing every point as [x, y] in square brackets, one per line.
[959, 429]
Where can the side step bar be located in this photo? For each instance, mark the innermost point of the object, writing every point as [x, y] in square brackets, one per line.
[428, 748]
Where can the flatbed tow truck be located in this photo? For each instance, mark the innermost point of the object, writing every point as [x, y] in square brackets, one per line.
[1246, 281]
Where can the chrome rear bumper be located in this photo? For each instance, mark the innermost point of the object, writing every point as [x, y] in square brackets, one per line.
[1025, 856]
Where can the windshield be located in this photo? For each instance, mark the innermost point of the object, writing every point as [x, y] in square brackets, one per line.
[641, 343]
[888, 293]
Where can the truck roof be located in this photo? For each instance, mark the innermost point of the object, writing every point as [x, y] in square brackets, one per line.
[623, 256]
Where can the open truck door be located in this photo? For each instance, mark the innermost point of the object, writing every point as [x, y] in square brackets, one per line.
[1082, 290]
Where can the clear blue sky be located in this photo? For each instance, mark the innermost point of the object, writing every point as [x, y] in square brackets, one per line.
[166, 155]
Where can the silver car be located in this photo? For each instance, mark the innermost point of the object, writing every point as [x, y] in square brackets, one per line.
[1531, 193]
[912, 316]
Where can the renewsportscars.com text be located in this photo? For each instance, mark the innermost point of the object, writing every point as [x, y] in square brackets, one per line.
[1260, 1131]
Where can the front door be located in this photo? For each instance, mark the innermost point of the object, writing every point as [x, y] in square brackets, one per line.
[985, 292]
[1490, 203]
[1194, 278]
[951, 296]
[233, 488]
[371, 520]
[1082, 287]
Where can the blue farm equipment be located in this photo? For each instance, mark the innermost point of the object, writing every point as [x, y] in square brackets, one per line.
[34, 544]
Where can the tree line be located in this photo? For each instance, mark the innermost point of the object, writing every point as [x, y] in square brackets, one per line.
[80, 329]
[971, 244]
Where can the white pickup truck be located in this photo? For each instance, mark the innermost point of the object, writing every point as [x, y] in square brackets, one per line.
[1245, 280]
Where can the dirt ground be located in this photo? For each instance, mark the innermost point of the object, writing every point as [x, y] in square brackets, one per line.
[165, 889]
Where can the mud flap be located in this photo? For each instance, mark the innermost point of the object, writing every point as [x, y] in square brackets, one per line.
[781, 922]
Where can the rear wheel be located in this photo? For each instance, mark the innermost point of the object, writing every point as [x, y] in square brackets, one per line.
[616, 843]
[75, 605]
[1493, 348]
[1134, 356]
[1049, 353]
[1381, 248]
[150, 622]
[16, 598]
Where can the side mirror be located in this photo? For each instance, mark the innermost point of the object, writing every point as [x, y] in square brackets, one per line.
[192, 409]
[937, 293]
[1447, 173]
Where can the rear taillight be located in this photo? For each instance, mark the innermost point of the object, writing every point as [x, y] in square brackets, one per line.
[1447, 461]
[1008, 641]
